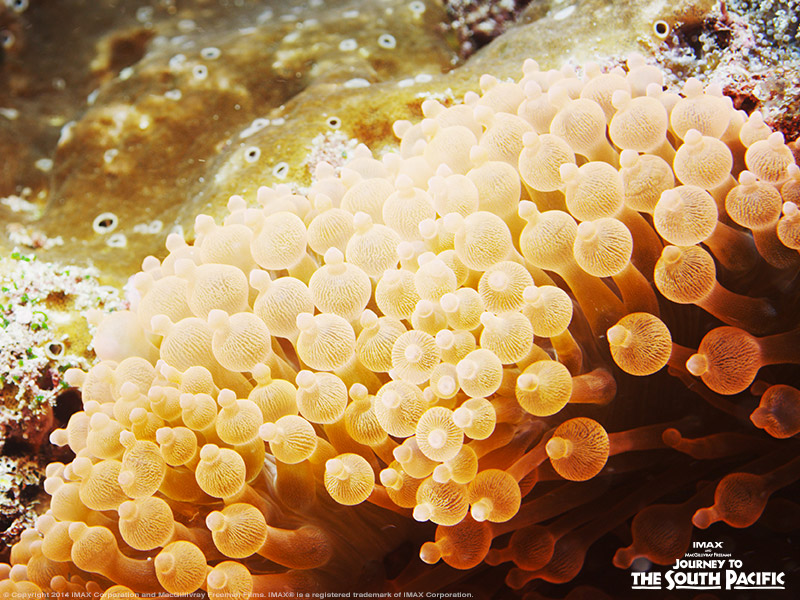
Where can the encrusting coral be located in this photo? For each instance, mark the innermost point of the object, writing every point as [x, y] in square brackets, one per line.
[440, 335]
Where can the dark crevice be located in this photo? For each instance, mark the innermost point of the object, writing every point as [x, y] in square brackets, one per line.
[65, 405]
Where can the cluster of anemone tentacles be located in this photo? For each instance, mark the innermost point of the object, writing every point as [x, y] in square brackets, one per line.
[443, 335]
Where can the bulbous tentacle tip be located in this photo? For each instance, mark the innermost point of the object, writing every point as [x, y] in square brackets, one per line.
[119, 592]
[430, 553]
[704, 518]
[624, 557]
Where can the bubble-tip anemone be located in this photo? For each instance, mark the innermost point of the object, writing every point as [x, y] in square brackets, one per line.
[440, 336]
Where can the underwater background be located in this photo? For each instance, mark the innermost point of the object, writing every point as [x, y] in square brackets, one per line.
[122, 121]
